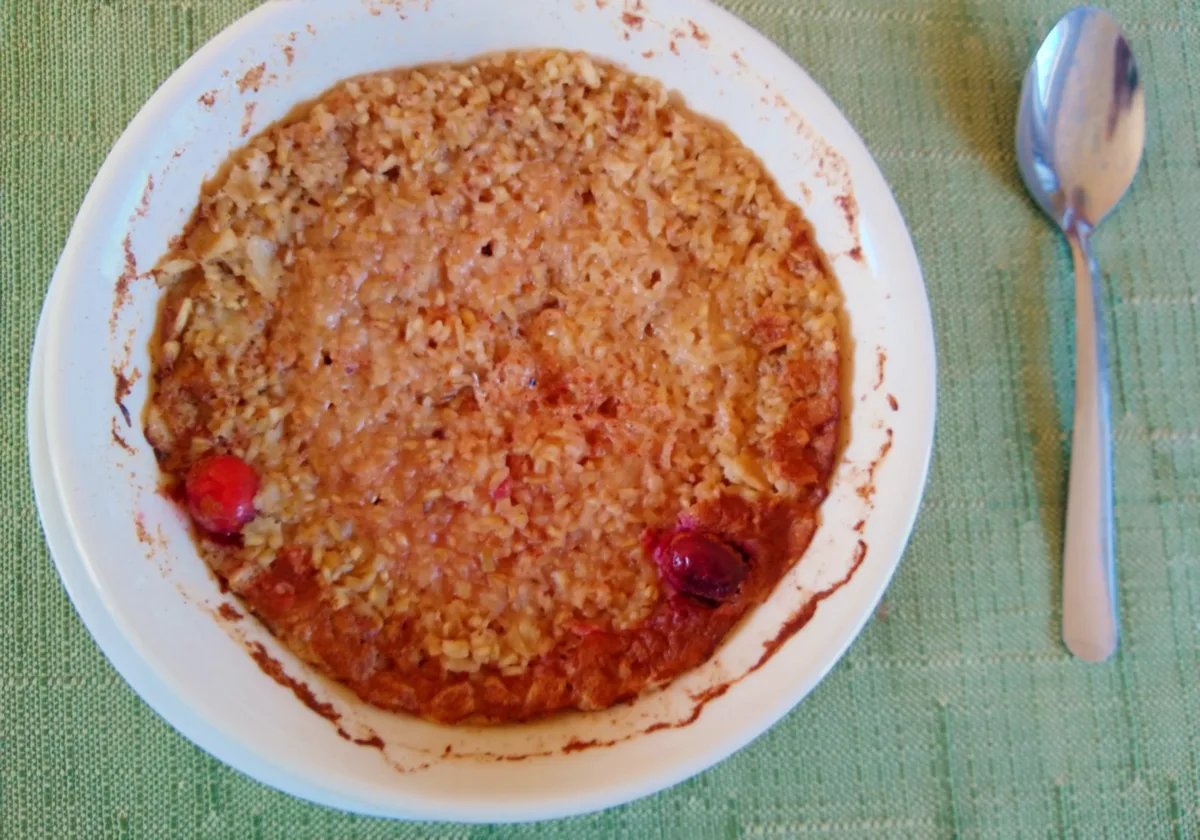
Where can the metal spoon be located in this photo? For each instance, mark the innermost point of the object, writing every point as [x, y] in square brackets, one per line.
[1080, 132]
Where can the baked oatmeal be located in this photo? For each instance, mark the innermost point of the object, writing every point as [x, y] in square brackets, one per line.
[498, 389]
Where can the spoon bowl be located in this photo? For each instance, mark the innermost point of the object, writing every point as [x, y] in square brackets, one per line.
[1080, 133]
[1082, 120]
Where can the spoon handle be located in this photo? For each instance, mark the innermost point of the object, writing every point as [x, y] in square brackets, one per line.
[1089, 569]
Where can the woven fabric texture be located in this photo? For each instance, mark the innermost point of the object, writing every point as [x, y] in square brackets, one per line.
[957, 713]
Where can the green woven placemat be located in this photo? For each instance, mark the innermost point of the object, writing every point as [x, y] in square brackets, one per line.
[957, 713]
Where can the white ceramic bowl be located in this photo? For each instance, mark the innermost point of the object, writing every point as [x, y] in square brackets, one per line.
[126, 558]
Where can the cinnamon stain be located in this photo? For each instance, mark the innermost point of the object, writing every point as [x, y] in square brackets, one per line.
[121, 442]
[248, 118]
[128, 274]
[144, 204]
[274, 669]
[866, 491]
[139, 527]
[805, 614]
[849, 207]
[124, 384]
[253, 78]
[701, 699]
[575, 745]
[373, 741]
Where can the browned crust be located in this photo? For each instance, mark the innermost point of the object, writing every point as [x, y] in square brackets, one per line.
[589, 670]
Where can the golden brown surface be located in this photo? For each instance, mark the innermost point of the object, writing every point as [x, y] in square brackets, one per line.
[479, 329]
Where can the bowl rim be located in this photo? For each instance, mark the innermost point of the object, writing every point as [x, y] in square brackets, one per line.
[82, 587]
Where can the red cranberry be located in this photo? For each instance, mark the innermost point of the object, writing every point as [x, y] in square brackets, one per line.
[700, 565]
[220, 493]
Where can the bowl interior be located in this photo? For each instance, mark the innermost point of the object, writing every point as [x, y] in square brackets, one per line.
[124, 552]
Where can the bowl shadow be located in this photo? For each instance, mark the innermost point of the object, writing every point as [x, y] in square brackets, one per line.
[975, 69]
[977, 82]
